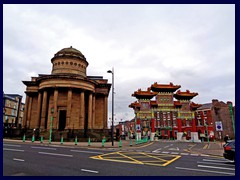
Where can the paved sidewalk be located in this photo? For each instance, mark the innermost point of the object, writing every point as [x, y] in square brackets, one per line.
[117, 145]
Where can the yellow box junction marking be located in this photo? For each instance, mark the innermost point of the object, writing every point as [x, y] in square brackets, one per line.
[138, 158]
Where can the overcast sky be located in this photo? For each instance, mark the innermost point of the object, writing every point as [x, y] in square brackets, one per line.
[188, 45]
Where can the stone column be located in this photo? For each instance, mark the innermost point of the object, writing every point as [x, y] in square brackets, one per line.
[69, 108]
[55, 100]
[39, 109]
[105, 114]
[44, 110]
[93, 111]
[82, 110]
[25, 111]
[90, 111]
[29, 112]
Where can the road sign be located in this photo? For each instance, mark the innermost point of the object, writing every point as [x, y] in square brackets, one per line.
[219, 126]
[138, 127]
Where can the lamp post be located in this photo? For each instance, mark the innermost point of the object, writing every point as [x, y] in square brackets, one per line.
[112, 72]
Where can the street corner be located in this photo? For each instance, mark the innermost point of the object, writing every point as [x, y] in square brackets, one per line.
[138, 158]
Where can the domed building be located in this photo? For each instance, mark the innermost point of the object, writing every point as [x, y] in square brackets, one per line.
[67, 100]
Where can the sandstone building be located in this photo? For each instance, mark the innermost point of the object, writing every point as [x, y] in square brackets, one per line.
[67, 98]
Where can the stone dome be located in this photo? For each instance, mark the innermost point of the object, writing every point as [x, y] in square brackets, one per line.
[70, 52]
[69, 61]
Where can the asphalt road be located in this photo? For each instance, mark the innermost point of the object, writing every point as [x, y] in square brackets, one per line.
[165, 159]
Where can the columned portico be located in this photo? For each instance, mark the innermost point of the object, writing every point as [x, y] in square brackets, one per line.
[39, 109]
[76, 103]
[44, 110]
[82, 110]
[69, 107]
[90, 111]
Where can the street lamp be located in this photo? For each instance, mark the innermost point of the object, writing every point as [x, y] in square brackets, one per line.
[112, 72]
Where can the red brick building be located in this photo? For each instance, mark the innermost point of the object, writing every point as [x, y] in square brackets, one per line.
[209, 114]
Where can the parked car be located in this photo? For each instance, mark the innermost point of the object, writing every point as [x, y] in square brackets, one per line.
[229, 150]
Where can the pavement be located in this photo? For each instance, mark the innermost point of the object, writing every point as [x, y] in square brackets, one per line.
[211, 148]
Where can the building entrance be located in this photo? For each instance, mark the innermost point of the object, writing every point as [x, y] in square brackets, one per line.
[62, 120]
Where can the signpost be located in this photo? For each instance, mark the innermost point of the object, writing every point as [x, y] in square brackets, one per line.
[219, 128]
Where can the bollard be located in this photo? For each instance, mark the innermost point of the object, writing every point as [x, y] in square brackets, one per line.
[120, 143]
[102, 143]
[33, 138]
[61, 140]
[130, 142]
[24, 138]
[76, 140]
[89, 141]
[41, 139]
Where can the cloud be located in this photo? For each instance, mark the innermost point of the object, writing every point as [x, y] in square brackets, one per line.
[189, 45]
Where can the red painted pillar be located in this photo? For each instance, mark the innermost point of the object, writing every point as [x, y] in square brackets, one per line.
[194, 129]
[153, 125]
[179, 123]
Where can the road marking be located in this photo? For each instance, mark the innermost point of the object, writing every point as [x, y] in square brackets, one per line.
[184, 154]
[217, 172]
[174, 153]
[13, 145]
[205, 155]
[86, 152]
[174, 149]
[15, 159]
[91, 171]
[164, 152]
[6, 149]
[216, 163]
[194, 154]
[166, 146]
[138, 158]
[215, 167]
[205, 147]
[213, 160]
[38, 147]
[157, 150]
[54, 154]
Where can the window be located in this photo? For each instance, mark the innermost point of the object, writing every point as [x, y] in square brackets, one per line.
[13, 112]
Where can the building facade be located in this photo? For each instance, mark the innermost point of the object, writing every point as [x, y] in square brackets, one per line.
[13, 110]
[67, 98]
[164, 116]
[213, 114]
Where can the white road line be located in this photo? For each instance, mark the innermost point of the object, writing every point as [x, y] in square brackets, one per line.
[213, 160]
[217, 172]
[13, 145]
[38, 147]
[87, 170]
[220, 164]
[194, 154]
[174, 153]
[164, 152]
[166, 146]
[15, 159]
[157, 150]
[6, 149]
[54, 154]
[205, 155]
[215, 167]
[184, 154]
[86, 152]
